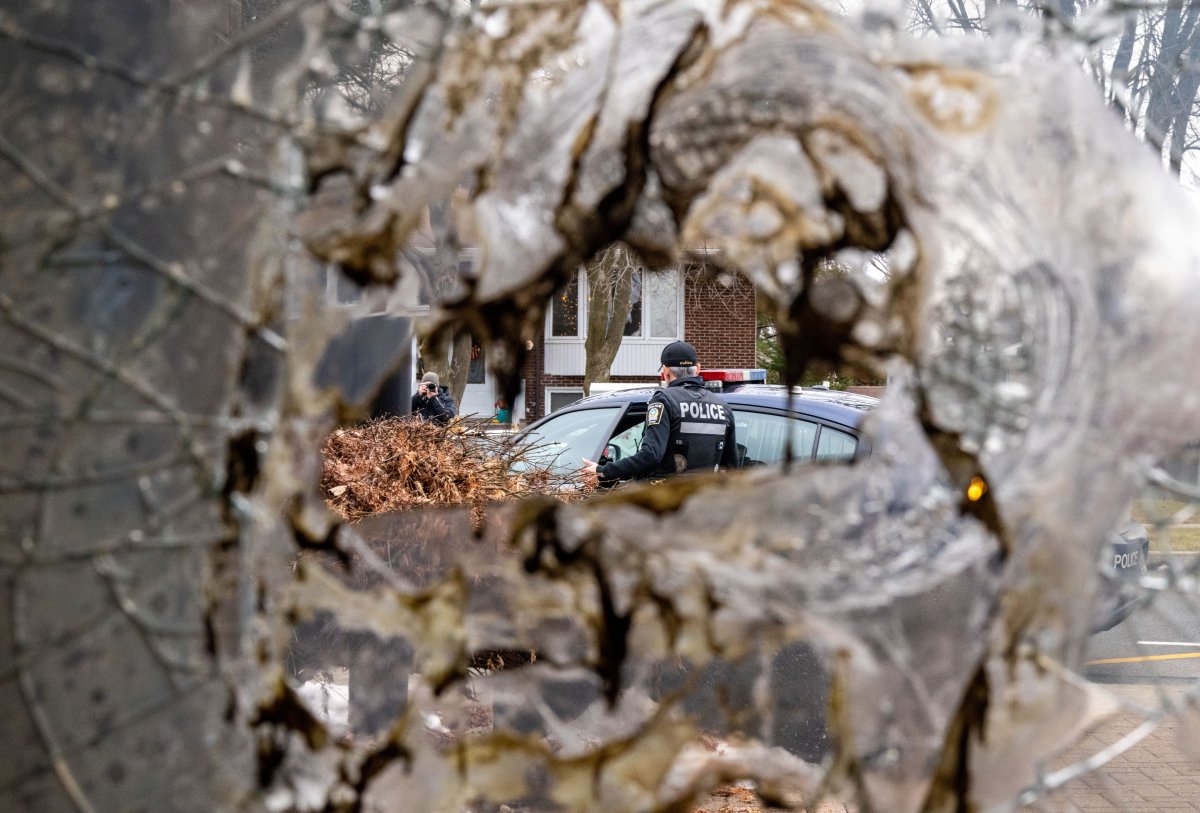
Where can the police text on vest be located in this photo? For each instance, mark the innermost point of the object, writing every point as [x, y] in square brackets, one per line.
[702, 411]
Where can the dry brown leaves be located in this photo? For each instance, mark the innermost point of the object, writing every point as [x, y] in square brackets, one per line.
[398, 464]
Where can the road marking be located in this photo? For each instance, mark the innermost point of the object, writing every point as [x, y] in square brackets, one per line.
[1142, 659]
[1169, 643]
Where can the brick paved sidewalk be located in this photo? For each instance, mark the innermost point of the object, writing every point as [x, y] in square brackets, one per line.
[1152, 777]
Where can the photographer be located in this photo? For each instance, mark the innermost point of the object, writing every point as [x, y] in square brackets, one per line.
[433, 402]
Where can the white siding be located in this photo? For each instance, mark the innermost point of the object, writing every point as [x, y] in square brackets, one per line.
[633, 358]
[564, 358]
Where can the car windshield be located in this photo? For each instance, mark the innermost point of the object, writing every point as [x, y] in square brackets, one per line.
[561, 443]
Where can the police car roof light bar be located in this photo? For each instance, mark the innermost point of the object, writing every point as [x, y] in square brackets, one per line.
[743, 375]
[717, 380]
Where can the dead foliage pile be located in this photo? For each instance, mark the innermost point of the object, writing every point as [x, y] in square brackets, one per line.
[398, 464]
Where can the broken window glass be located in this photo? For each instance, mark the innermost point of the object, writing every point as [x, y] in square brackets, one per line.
[190, 625]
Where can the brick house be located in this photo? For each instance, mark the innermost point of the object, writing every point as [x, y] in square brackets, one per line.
[716, 313]
[718, 317]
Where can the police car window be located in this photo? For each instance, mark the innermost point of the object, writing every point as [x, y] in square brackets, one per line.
[628, 441]
[835, 445]
[764, 438]
[562, 442]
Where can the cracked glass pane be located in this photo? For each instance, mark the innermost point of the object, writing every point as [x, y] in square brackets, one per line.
[235, 237]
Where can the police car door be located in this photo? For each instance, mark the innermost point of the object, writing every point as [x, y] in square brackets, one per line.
[626, 438]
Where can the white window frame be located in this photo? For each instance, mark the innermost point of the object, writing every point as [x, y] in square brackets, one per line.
[334, 278]
[368, 301]
[552, 390]
[581, 304]
[680, 282]
[580, 315]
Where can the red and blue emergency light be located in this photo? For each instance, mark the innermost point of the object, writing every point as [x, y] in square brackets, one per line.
[720, 379]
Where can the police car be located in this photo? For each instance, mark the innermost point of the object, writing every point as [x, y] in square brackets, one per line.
[819, 425]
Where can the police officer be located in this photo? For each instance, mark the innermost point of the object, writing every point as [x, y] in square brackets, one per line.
[687, 427]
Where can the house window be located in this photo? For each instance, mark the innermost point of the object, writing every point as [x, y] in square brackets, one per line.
[633, 324]
[565, 321]
[662, 300]
[339, 288]
[345, 290]
[655, 308]
[560, 397]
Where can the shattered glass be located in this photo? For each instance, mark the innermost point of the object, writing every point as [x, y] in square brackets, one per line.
[221, 226]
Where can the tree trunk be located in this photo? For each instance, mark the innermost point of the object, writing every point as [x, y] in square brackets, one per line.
[1164, 103]
[460, 366]
[449, 357]
[1119, 75]
[451, 360]
[610, 293]
[1189, 85]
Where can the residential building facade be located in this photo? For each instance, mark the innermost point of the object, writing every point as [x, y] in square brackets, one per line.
[716, 313]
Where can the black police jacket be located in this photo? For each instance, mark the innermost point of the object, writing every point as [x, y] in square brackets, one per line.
[687, 428]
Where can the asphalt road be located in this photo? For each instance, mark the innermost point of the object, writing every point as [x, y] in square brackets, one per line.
[1157, 643]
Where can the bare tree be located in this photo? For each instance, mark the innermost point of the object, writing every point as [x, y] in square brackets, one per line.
[1151, 73]
[611, 278]
[446, 352]
[368, 65]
